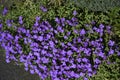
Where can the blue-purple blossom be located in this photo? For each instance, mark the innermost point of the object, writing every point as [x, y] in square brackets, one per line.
[75, 31]
[93, 23]
[111, 51]
[63, 21]
[111, 43]
[57, 20]
[9, 23]
[32, 71]
[5, 11]
[69, 22]
[118, 53]
[82, 32]
[20, 19]
[75, 13]
[69, 52]
[85, 60]
[40, 38]
[65, 37]
[43, 8]
[59, 28]
[1, 25]
[37, 18]
[97, 61]
[36, 24]
[101, 26]
[7, 60]
[85, 78]
[51, 44]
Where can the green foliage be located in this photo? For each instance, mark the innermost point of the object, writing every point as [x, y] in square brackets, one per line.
[114, 16]
[98, 5]
[92, 10]
[109, 70]
[11, 3]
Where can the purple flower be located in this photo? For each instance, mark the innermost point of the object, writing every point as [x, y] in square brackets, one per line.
[36, 24]
[62, 44]
[43, 51]
[79, 60]
[69, 22]
[85, 60]
[96, 66]
[56, 79]
[51, 44]
[85, 78]
[0, 25]
[89, 69]
[82, 74]
[59, 28]
[36, 53]
[118, 53]
[5, 11]
[20, 19]
[37, 18]
[90, 74]
[68, 33]
[32, 71]
[71, 73]
[95, 28]
[97, 61]
[73, 66]
[87, 52]
[45, 47]
[93, 22]
[57, 20]
[101, 26]
[8, 22]
[82, 32]
[74, 48]
[26, 68]
[111, 51]
[35, 36]
[55, 31]
[101, 54]
[108, 62]
[75, 13]
[65, 37]
[69, 44]
[7, 60]
[40, 38]
[74, 19]
[48, 36]
[43, 8]
[111, 43]
[108, 29]
[69, 52]
[63, 21]
[63, 52]
[45, 60]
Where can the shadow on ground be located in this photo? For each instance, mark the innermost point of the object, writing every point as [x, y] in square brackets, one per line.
[13, 72]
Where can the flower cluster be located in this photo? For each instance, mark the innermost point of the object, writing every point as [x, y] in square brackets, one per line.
[61, 52]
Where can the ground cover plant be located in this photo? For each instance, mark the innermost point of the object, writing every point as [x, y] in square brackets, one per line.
[59, 43]
[98, 5]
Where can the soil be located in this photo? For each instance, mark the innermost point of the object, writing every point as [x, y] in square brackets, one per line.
[10, 71]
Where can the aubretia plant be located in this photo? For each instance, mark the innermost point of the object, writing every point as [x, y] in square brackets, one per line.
[63, 51]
